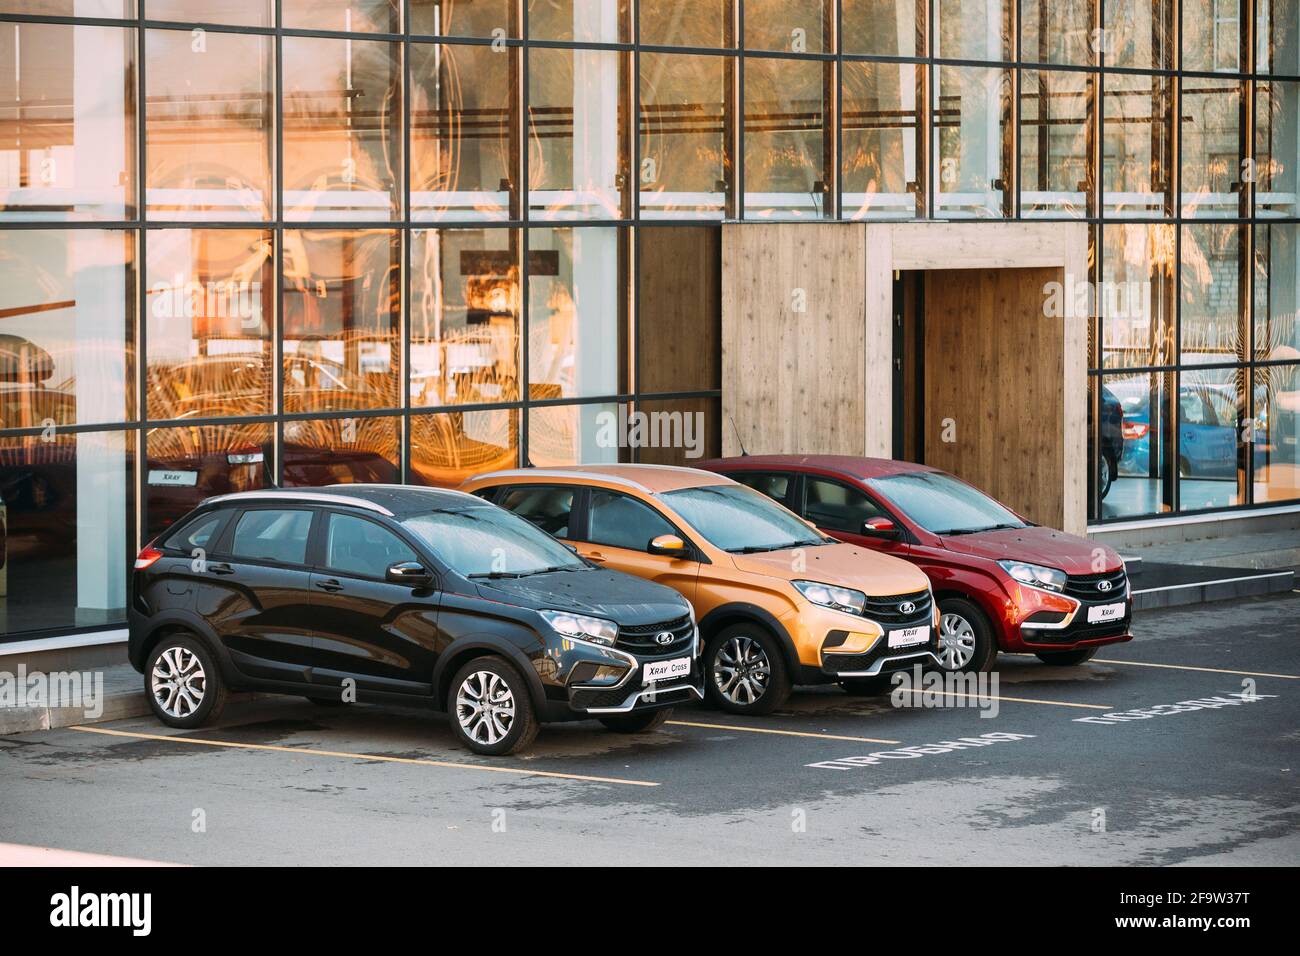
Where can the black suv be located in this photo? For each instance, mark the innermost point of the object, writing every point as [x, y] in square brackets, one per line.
[393, 593]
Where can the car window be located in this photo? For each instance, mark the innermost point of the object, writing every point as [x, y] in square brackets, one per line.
[1192, 409]
[272, 534]
[199, 533]
[622, 522]
[775, 486]
[550, 507]
[356, 546]
[829, 504]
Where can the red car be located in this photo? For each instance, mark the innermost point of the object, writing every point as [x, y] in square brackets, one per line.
[1003, 583]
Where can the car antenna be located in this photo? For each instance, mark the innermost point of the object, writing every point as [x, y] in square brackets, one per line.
[743, 453]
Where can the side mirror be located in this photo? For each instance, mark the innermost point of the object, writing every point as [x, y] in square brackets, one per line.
[880, 528]
[409, 572]
[668, 544]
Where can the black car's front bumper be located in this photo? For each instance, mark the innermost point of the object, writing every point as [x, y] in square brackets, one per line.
[629, 690]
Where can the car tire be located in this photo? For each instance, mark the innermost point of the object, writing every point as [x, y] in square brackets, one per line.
[964, 630]
[641, 723]
[1106, 468]
[1066, 658]
[754, 648]
[507, 692]
[866, 686]
[183, 682]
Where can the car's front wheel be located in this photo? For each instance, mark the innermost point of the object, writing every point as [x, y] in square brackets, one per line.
[184, 686]
[746, 671]
[1066, 658]
[641, 723]
[490, 708]
[966, 641]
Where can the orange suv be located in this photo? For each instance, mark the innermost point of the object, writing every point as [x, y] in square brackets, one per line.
[778, 603]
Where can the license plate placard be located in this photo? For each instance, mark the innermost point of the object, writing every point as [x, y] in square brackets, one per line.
[910, 636]
[666, 670]
[183, 479]
[1105, 612]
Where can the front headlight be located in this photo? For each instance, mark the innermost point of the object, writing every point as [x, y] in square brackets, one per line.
[829, 595]
[1035, 575]
[594, 629]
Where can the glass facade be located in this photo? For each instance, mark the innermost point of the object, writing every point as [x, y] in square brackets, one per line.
[254, 242]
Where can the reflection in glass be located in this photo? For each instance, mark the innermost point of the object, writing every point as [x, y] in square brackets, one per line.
[786, 26]
[67, 307]
[883, 27]
[341, 306]
[880, 140]
[683, 167]
[1277, 37]
[971, 138]
[1055, 169]
[1277, 147]
[448, 448]
[464, 317]
[679, 300]
[1211, 148]
[349, 16]
[1277, 291]
[1213, 36]
[67, 122]
[973, 29]
[697, 23]
[186, 465]
[1134, 416]
[463, 119]
[342, 451]
[579, 21]
[239, 13]
[1137, 170]
[575, 133]
[1209, 425]
[208, 323]
[785, 138]
[464, 18]
[110, 9]
[1135, 298]
[1056, 31]
[1211, 324]
[1139, 34]
[342, 129]
[67, 505]
[1275, 432]
[209, 125]
[576, 315]
[681, 431]
[574, 435]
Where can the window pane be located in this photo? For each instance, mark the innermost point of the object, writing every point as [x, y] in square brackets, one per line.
[67, 308]
[973, 29]
[209, 323]
[352, 16]
[1211, 148]
[67, 122]
[463, 118]
[186, 465]
[970, 132]
[1135, 299]
[342, 451]
[575, 130]
[880, 140]
[1277, 147]
[1277, 291]
[342, 125]
[786, 26]
[698, 23]
[838, 507]
[244, 13]
[463, 18]
[342, 295]
[1209, 423]
[1276, 432]
[882, 27]
[358, 546]
[464, 316]
[679, 431]
[1213, 35]
[1055, 169]
[1211, 324]
[546, 506]
[1140, 33]
[209, 125]
[111, 9]
[575, 312]
[67, 506]
[618, 521]
[272, 535]
[785, 138]
[579, 21]
[1277, 35]
[1056, 31]
[448, 448]
[1134, 413]
[1138, 141]
[573, 434]
[683, 169]
[679, 298]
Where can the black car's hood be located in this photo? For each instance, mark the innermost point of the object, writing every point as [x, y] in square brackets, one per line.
[618, 597]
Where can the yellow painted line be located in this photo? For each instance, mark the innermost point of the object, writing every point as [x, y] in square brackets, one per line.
[781, 733]
[312, 752]
[1205, 670]
[1014, 700]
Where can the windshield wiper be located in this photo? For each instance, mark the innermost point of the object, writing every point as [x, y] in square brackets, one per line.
[496, 574]
[756, 548]
[991, 527]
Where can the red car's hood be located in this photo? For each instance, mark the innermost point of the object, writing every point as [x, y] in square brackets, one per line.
[1045, 546]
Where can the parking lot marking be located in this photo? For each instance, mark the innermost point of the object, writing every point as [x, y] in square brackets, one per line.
[1206, 670]
[312, 752]
[1015, 700]
[782, 733]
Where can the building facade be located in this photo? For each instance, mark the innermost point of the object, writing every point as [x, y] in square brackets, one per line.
[249, 242]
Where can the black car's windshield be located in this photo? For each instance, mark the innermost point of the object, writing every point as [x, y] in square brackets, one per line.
[942, 504]
[489, 542]
[740, 519]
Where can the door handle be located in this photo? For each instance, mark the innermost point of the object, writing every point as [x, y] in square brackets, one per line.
[329, 584]
[221, 568]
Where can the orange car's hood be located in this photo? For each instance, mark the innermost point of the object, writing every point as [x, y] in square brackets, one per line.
[845, 565]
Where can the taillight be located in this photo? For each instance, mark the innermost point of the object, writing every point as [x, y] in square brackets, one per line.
[147, 557]
[1136, 430]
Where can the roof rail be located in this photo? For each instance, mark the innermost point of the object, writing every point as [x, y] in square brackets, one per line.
[543, 473]
[395, 487]
[309, 496]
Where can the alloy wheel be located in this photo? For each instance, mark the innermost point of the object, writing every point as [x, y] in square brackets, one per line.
[741, 670]
[178, 682]
[485, 707]
[956, 641]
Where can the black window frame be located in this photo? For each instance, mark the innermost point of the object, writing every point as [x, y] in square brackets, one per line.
[318, 548]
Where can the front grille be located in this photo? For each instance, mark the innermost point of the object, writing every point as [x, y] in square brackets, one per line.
[886, 610]
[587, 699]
[1085, 587]
[1083, 632]
[640, 638]
[849, 663]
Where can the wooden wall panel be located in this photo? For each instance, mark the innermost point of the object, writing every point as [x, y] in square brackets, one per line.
[679, 341]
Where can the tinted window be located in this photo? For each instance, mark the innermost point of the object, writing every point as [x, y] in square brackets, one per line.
[736, 518]
[487, 540]
[832, 505]
[622, 522]
[773, 485]
[546, 506]
[357, 546]
[273, 535]
[199, 533]
[942, 504]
